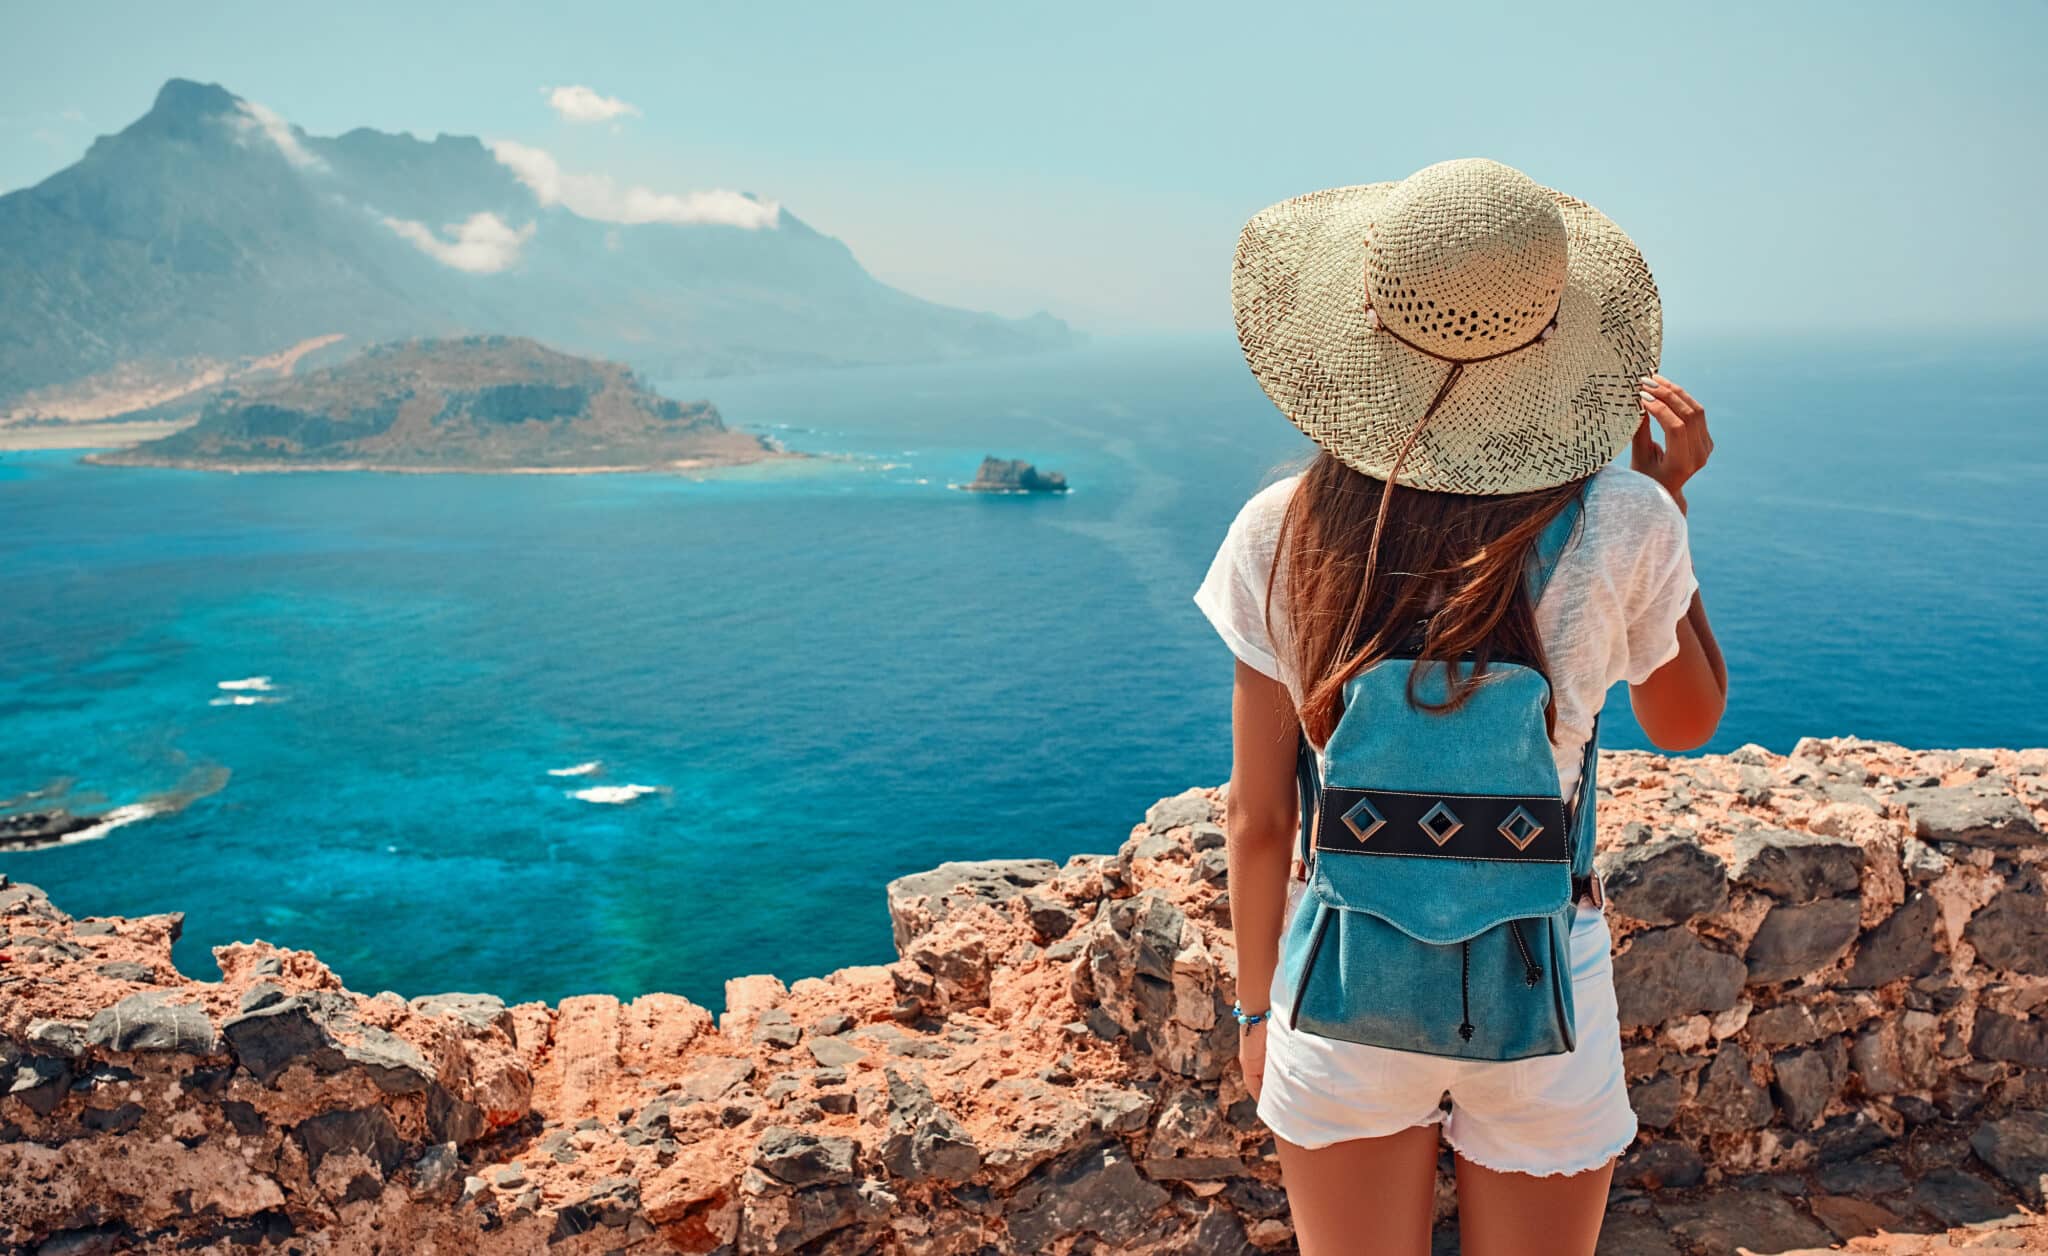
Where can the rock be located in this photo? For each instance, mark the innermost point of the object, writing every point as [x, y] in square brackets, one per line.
[149, 1022]
[437, 1174]
[56, 1037]
[1796, 867]
[834, 1052]
[1095, 1190]
[832, 1023]
[1669, 972]
[801, 1158]
[1182, 811]
[1122, 1111]
[1625, 1234]
[365, 1130]
[1865, 1177]
[1012, 475]
[1745, 1220]
[1654, 1164]
[261, 995]
[1998, 1036]
[1786, 1025]
[925, 1142]
[2011, 931]
[1797, 939]
[2016, 1149]
[118, 1120]
[1808, 1081]
[128, 970]
[1898, 1053]
[40, 1082]
[613, 1204]
[1663, 882]
[478, 1011]
[1050, 919]
[394, 1064]
[1955, 1198]
[1852, 1134]
[267, 1040]
[1900, 945]
[1978, 814]
[1656, 1100]
[921, 900]
[1729, 1097]
[1848, 1217]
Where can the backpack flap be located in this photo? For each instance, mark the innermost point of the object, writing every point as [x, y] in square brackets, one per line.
[1411, 843]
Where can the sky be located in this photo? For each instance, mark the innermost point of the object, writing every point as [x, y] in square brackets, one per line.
[1785, 167]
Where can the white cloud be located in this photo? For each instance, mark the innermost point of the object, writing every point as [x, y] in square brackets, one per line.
[581, 104]
[482, 245]
[251, 118]
[599, 196]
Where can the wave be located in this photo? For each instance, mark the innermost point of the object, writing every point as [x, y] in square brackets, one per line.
[198, 782]
[581, 769]
[260, 684]
[243, 699]
[613, 794]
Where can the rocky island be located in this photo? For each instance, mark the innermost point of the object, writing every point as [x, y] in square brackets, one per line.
[1833, 978]
[1011, 475]
[480, 403]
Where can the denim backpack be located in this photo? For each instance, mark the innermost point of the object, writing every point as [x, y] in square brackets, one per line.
[1444, 867]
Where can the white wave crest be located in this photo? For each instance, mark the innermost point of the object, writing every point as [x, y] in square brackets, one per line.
[260, 684]
[244, 699]
[113, 820]
[581, 769]
[612, 794]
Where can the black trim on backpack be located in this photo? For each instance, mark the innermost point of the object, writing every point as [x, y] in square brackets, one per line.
[1472, 826]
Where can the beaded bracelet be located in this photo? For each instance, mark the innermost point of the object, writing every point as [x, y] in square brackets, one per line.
[1248, 1019]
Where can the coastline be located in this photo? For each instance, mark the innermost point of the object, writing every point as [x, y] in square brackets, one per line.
[677, 466]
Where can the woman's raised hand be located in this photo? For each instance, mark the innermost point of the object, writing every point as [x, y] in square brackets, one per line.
[1687, 445]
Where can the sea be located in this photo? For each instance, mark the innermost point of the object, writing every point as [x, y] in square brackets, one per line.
[549, 735]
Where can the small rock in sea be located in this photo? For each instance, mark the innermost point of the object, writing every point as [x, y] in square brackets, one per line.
[1013, 475]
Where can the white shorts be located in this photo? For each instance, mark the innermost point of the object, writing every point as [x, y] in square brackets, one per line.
[1549, 1115]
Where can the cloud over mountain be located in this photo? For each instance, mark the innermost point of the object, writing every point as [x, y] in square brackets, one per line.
[251, 119]
[603, 198]
[582, 104]
[483, 244]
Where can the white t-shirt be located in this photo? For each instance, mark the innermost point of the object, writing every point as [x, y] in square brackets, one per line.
[1610, 612]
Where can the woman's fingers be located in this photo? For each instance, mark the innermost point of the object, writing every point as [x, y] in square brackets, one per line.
[1643, 445]
[1666, 417]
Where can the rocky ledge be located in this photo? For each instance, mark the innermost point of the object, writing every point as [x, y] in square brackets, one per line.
[1833, 976]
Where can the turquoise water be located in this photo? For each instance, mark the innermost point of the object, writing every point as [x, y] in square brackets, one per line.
[836, 675]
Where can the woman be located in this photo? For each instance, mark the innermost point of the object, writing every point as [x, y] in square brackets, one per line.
[1469, 350]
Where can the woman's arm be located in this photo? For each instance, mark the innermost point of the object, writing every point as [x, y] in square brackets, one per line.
[1260, 822]
[1681, 704]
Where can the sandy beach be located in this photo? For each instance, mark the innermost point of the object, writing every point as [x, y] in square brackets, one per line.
[86, 435]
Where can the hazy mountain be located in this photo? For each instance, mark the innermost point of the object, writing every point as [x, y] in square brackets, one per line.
[476, 404]
[210, 231]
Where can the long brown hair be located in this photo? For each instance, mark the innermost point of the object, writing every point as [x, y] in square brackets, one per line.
[1436, 574]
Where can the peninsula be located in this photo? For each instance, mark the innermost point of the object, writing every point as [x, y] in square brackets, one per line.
[478, 404]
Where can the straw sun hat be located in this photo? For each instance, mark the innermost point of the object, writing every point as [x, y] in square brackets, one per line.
[1486, 327]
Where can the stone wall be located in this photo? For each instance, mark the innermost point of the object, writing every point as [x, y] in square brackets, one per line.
[1832, 969]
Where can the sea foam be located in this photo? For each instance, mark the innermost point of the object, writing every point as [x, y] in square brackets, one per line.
[581, 769]
[612, 794]
[260, 684]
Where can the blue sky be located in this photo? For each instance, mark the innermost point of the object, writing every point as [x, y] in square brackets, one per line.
[1785, 166]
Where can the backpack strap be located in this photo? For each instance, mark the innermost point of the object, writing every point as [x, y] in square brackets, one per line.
[1309, 788]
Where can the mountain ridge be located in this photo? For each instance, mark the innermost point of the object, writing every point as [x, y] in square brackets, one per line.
[210, 229]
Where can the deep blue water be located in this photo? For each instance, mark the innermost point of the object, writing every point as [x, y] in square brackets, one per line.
[841, 674]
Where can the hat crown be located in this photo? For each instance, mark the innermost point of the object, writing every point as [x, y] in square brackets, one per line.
[1467, 258]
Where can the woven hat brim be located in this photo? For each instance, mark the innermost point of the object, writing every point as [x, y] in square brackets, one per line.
[1551, 413]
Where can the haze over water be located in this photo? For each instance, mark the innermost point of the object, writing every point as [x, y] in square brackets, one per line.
[837, 675]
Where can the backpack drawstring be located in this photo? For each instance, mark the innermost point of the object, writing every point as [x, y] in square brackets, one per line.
[1532, 972]
[1465, 988]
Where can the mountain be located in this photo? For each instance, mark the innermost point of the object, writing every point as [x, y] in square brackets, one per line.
[482, 403]
[210, 232]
